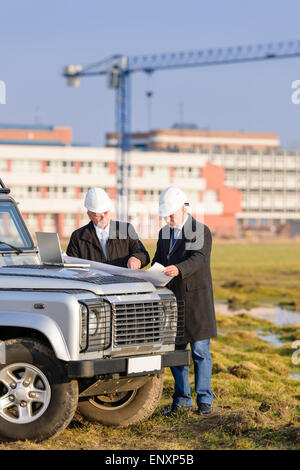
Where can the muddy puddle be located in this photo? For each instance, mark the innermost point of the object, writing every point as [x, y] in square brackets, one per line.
[276, 315]
[295, 376]
[271, 338]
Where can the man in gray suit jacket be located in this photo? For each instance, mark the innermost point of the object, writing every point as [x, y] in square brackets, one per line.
[184, 247]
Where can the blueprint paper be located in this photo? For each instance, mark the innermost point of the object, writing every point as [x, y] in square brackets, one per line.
[155, 274]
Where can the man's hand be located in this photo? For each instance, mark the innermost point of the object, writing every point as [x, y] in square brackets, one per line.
[134, 263]
[171, 271]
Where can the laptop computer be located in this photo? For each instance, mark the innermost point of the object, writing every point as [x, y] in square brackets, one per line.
[50, 251]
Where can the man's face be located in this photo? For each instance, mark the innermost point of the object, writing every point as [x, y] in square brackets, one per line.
[100, 219]
[176, 219]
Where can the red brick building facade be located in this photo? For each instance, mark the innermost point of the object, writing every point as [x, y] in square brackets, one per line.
[231, 198]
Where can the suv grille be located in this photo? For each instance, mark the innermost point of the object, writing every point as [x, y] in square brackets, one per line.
[146, 322]
[130, 323]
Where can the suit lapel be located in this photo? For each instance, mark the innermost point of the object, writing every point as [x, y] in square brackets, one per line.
[165, 240]
[90, 236]
[109, 248]
[113, 236]
[179, 241]
[177, 244]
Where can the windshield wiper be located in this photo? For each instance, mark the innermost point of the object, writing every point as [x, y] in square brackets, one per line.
[18, 250]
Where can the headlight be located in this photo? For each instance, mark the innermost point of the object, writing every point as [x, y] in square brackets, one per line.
[170, 310]
[83, 325]
[90, 317]
[173, 318]
[95, 323]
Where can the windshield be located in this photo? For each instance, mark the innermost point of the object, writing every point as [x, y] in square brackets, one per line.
[12, 230]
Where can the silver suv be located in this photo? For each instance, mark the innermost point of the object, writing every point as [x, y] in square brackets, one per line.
[76, 338]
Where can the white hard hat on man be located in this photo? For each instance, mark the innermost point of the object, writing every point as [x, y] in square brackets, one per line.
[97, 200]
[171, 200]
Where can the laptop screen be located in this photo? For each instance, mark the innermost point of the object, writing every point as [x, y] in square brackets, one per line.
[49, 246]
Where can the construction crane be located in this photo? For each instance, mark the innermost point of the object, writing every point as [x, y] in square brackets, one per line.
[119, 69]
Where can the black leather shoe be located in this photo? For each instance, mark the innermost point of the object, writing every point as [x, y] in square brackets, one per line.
[204, 409]
[176, 409]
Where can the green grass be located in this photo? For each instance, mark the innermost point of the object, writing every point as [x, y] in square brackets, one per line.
[257, 273]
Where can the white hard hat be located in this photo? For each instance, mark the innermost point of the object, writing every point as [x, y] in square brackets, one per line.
[171, 199]
[97, 200]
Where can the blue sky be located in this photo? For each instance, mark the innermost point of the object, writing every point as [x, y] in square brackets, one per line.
[38, 38]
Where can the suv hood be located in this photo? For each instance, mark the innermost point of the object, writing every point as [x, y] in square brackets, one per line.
[40, 277]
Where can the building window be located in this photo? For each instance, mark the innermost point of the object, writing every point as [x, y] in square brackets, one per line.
[68, 167]
[158, 171]
[264, 222]
[186, 172]
[49, 223]
[59, 192]
[70, 220]
[251, 222]
[32, 223]
[3, 165]
[33, 192]
[210, 196]
[86, 168]
[98, 168]
[151, 195]
[26, 166]
[53, 166]
[19, 192]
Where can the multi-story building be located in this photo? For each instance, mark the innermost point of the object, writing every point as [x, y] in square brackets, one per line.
[254, 163]
[229, 188]
[51, 181]
[196, 140]
[34, 134]
[269, 181]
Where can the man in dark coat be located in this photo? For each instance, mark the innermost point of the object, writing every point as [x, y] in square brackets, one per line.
[105, 240]
[184, 247]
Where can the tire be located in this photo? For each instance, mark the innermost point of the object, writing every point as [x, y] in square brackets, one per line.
[37, 400]
[125, 408]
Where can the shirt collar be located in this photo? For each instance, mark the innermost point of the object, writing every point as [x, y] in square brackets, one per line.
[101, 230]
[178, 229]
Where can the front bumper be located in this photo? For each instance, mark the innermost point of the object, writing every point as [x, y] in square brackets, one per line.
[92, 368]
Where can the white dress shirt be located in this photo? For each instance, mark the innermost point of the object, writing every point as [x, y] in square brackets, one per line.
[103, 235]
[176, 233]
